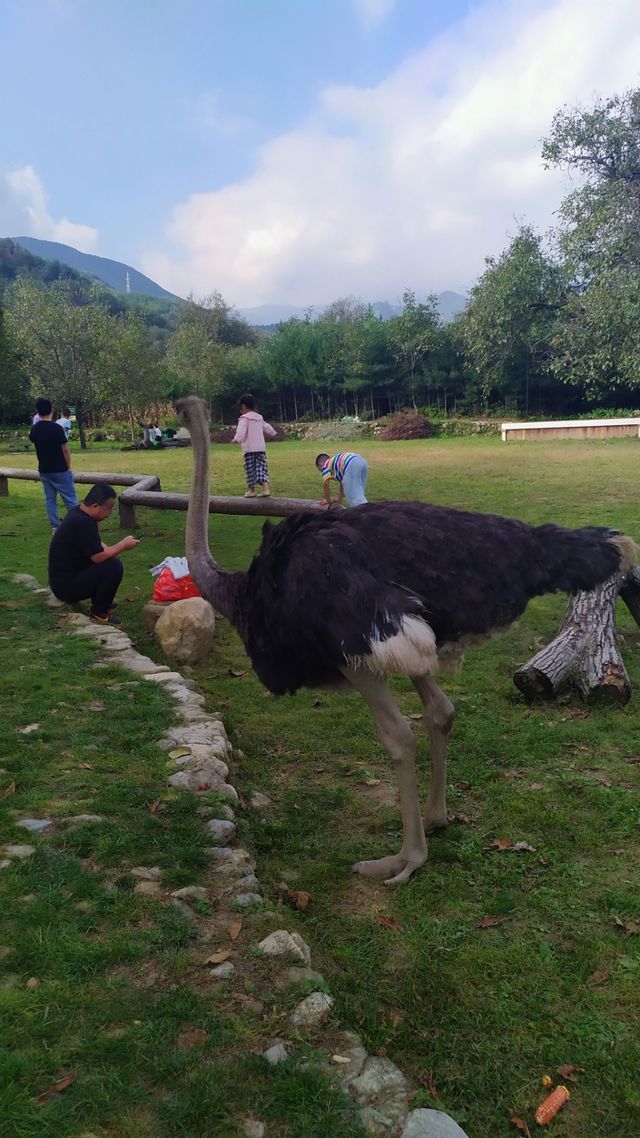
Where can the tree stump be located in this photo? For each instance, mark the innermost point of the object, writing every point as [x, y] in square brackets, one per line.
[584, 657]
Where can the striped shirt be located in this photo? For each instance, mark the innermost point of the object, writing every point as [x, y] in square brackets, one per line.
[336, 466]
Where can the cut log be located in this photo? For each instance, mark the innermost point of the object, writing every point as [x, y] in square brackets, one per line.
[584, 658]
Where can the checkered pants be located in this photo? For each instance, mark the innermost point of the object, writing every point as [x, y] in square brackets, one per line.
[255, 467]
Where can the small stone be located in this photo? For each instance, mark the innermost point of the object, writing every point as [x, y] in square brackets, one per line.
[221, 830]
[379, 1080]
[134, 662]
[5, 862]
[260, 801]
[184, 910]
[431, 1124]
[313, 1010]
[243, 900]
[192, 893]
[228, 813]
[276, 1054]
[253, 1128]
[222, 971]
[34, 825]
[147, 889]
[255, 1007]
[250, 882]
[283, 943]
[20, 852]
[26, 580]
[146, 872]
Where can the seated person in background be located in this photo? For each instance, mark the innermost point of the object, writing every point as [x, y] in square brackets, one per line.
[350, 471]
[80, 566]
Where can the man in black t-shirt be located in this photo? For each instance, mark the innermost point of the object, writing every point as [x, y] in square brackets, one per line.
[54, 462]
[80, 566]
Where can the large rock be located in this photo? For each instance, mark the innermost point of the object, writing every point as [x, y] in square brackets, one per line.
[431, 1124]
[186, 629]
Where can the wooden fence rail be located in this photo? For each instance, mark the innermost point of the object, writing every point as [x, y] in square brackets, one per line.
[144, 490]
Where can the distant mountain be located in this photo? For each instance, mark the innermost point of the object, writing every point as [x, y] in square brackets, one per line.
[450, 304]
[111, 273]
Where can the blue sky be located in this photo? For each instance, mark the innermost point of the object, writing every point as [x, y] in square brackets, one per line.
[286, 150]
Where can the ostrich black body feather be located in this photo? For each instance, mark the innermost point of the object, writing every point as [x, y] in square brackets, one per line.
[322, 588]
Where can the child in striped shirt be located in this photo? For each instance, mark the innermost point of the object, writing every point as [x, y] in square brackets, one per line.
[350, 471]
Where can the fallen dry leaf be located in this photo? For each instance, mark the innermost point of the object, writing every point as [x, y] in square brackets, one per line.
[218, 957]
[427, 1081]
[523, 847]
[179, 752]
[156, 806]
[389, 923]
[415, 715]
[196, 1037]
[317, 703]
[340, 1059]
[490, 922]
[130, 598]
[500, 844]
[519, 1124]
[234, 929]
[568, 1072]
[57, 1087]
[237, 672]
[95, 705]
[11, 789]
[296, 898]
[33, 982]
[371, 782]
[28, 729]
[635, 759]
[85, 766]
[463, 817]
[462, 784]
[597, 978]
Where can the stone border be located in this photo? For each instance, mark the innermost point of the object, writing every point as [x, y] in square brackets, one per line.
[379, 1089]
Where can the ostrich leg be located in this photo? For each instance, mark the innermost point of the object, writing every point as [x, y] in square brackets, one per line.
[438, 720]
[397, 737]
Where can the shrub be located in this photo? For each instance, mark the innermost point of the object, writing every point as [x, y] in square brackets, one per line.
[338, 431]
[407, 425]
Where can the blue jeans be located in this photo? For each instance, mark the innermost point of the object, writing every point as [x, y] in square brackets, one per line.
[59, 483]
[354, 481]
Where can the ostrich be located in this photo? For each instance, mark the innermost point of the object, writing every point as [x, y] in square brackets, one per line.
[355, 596]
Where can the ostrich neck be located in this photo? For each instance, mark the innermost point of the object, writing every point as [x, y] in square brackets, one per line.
[218, 586]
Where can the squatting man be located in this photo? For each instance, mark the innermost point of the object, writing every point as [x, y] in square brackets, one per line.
[81, 567]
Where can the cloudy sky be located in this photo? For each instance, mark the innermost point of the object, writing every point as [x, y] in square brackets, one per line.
[296, 150]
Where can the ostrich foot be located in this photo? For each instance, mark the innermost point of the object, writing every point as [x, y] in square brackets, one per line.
[435, 822]
[398, 866]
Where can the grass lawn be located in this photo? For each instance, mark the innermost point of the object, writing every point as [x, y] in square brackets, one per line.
[475, 1015]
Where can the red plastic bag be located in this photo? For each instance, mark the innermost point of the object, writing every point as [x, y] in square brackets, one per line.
[167, 588]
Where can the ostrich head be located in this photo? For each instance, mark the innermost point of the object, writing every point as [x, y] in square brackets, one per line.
[217, 586]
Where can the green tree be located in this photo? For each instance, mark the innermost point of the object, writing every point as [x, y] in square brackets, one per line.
[414, 335]
[200, 351]
[507, 326]
[596, 338]
[131, 367]
[61, 343]
[15, 395]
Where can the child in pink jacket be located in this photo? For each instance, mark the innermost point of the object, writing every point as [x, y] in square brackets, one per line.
[250, 432]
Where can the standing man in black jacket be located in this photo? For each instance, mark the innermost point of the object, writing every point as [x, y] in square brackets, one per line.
[54, 462]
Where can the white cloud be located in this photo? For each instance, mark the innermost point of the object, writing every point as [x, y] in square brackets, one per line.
[24, 212]
[373, 13]
[206, 113]
[412, 182]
